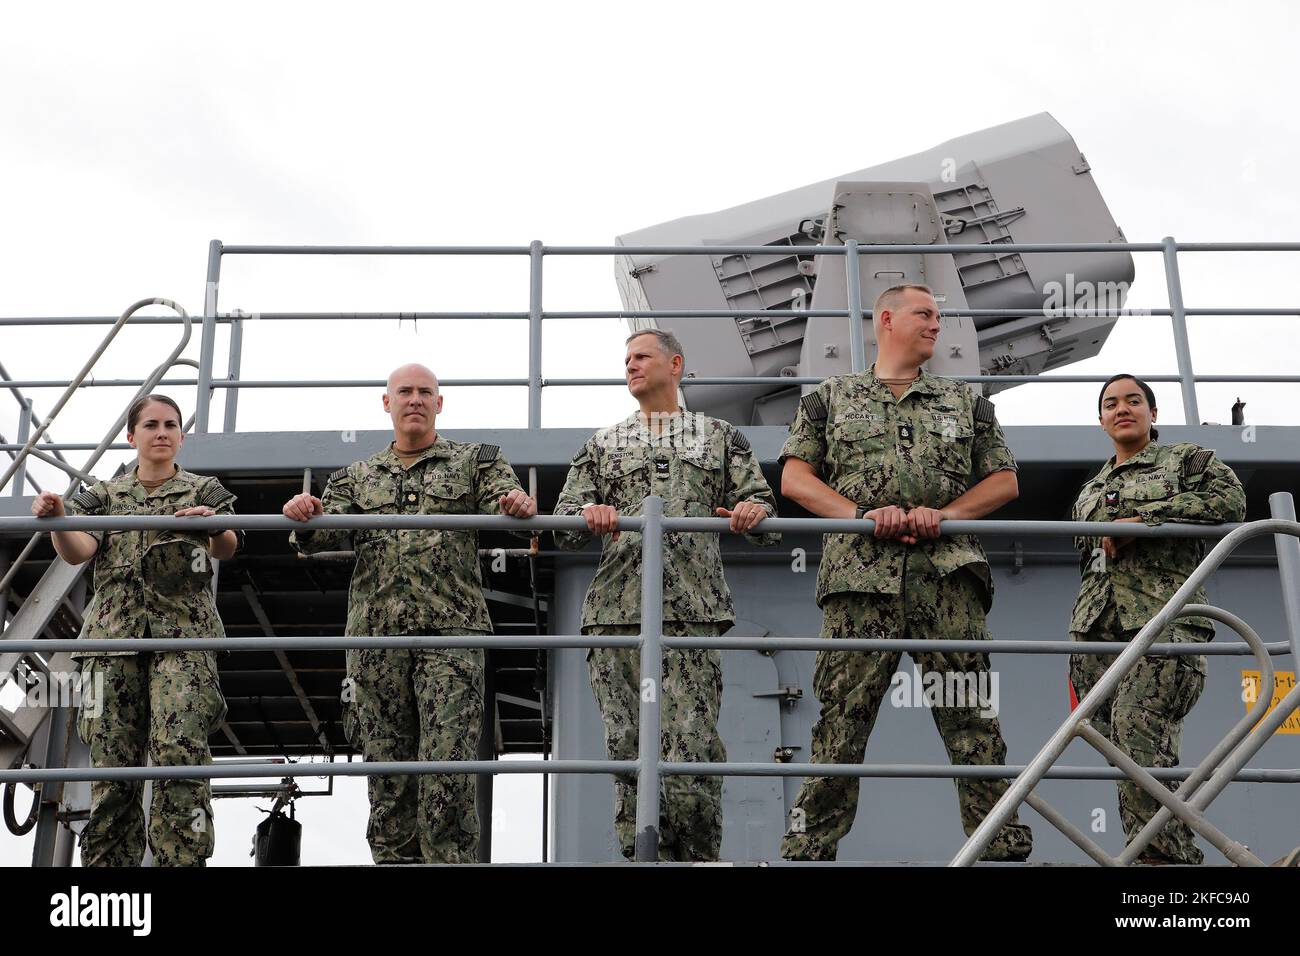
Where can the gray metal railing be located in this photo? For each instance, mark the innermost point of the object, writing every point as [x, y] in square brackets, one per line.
[1206, 780]
[82, 474]
[207, 383]
[1210, 777]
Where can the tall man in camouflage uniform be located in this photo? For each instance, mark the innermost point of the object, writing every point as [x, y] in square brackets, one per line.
[905, 449]
[701, 467]
[152, 707]
[1126, 581]
[417, 704]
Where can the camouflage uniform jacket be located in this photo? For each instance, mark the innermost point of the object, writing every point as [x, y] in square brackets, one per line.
[414, 582]
[924, 449]
[161, 580]
[696, 464]
[1183, 483]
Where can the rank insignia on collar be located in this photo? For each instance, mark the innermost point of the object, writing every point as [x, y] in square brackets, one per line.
[1112, 497]
[661, 467]
[905, 433]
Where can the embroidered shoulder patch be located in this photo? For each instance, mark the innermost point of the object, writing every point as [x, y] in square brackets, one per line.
[488, 453]
[984, 410]
[215, 496]
[739, 441]
[338, 475]
[814, 406]
[86, 500]
[1197, 462]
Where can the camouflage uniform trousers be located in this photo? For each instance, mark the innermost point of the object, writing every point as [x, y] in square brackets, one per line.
[1144, 718]
[690, 809]
[160, 707]
[420, 705]
[852, 684]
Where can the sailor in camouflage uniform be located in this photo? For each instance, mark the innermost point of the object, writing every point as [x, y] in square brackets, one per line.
[701, 467]
[416, 704]
[906, 449]
[1126, 581]
[158, 708]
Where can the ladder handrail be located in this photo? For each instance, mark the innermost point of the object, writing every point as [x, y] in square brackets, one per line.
[149, 383]
[1055, 746]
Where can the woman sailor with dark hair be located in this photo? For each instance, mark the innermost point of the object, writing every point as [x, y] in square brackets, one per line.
[1127, 580]
[142, 707]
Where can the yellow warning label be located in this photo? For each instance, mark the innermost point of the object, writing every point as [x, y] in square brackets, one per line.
[1283, 683]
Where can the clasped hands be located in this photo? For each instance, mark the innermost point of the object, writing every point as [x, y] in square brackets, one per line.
[907, 526]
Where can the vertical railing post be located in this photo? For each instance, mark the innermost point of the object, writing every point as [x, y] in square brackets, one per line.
[209, 339]
[1282, 505]
[535, 256]
[1182, 347]
[652, 666]
[232, 365]
[857, 339]
[24, 432]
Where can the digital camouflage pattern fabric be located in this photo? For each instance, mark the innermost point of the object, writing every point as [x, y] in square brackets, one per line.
[425, 704]
[1183, 483]
[1117, 596]
[924, 449]
[696, 464]
[414, 582]
[420, 705]
[690, 808]
[159, 581]
[851, 686]
[1144, 718]
[155, 709]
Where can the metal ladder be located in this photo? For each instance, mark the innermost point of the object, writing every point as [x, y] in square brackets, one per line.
[1212, 775]
[50, 593]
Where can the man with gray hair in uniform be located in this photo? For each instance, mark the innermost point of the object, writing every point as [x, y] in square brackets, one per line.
[700, 467]
[416, 704]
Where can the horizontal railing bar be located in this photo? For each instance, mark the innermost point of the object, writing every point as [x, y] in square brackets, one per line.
[365, 383]
[227, 317]
[77, 320]
[883, 248]
[817, 380]
[948, 771]
[1091, 529]
[525, 642]
[272, 383]
[315, 250]
[779, 251]
[1100, 648]
[579, 641]
[66, 446]
[249, 522]
[1237, 246]
[377, 316]
[252, 522]
[218, 771]
[575, 382]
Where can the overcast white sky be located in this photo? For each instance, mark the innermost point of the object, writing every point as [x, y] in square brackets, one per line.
[132, 135]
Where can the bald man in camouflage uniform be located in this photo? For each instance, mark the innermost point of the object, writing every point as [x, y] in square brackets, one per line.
[702, 468]
[1120, 592]
[907, 453]
[417, 704]
[156, 708]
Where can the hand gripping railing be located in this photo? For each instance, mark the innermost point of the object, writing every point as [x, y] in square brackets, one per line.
[649, 766]
[1206, 781]
[83, 474]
